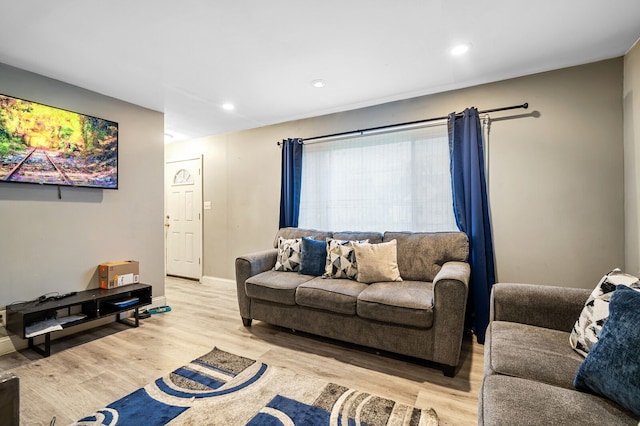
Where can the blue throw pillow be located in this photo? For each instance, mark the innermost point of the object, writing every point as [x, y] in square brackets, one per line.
[612, 368]
[313, 257]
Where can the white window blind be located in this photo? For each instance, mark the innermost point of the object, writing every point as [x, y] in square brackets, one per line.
[393, 181]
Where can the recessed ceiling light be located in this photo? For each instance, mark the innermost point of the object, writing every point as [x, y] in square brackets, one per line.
[318, 83]
[460, 49]
[228, 107]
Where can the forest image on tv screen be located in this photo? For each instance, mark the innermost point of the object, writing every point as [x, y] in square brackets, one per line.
[47, 145]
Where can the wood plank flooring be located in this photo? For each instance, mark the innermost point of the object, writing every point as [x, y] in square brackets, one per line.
[88, 370]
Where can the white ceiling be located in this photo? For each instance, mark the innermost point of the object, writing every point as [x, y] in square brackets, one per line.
[188, 57]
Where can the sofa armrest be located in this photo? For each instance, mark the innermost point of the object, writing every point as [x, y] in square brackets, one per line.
[246, 267]
[255, 263]
[552, 307]
[450, 291]
[458, 271]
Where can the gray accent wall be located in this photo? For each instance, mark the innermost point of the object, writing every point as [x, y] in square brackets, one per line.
[556, 178]
[55, 245]
[631, 102]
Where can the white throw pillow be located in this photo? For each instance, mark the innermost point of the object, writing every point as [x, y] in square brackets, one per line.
[587, 328]
[377, 262]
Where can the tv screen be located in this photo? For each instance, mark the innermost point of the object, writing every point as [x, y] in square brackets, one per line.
[52, 146]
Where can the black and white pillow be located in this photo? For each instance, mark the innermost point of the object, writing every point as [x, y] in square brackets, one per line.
[587, 328]
[341, 259]
[288, 259]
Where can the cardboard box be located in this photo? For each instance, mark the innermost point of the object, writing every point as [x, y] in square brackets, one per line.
[116, 274]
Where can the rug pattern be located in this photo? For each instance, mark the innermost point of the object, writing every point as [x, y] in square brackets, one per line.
[221, 388]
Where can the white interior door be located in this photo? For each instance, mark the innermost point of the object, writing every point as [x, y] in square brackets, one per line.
[183, 218]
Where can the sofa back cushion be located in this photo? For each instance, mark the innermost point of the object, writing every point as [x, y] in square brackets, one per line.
[290, 233]
[422, 254]
[373, 237]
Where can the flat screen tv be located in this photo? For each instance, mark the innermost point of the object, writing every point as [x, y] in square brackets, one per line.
[52, 146]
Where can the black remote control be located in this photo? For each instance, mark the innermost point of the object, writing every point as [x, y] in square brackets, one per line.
[62, 296]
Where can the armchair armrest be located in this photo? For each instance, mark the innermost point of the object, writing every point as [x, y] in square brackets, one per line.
[450, 291]
[552, 307]
[247, 266]
[10, 398]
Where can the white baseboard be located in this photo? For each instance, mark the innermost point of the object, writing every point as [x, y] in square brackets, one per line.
[10, 344]
[217, 281]
[157, 301]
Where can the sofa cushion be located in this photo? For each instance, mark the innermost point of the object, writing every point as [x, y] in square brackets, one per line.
[530, 352]
[275, 286]
[587, 328]
[313, 257]
[288, 259]
[373, 237]
[612, 368]
[506, 400]
[377, 262]
[422, 254]
[405, 303]
[337, 295]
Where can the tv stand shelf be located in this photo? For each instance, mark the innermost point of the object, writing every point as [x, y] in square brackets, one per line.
[88, 305]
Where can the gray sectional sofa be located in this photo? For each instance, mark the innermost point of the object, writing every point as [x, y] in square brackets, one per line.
[421, 316]
[529, 365]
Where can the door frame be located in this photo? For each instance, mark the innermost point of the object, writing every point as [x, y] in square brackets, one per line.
[199, 209]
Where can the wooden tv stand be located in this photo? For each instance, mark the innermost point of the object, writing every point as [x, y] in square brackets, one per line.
[92, 304]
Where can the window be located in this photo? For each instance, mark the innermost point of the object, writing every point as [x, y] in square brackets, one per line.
[392, 181]
[183, 177]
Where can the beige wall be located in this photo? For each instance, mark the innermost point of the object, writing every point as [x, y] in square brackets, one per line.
[631, 102]
[49, 244]
[556, 179]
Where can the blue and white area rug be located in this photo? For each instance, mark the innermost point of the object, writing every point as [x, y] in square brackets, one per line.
[220, 388]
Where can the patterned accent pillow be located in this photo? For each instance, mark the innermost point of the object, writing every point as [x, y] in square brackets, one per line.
[587, 328]
[341, 259]
[288, 259]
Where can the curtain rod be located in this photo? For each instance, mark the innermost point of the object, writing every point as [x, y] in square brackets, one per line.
[409, 123]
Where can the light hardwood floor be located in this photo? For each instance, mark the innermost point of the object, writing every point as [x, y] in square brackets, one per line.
[88, 370]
